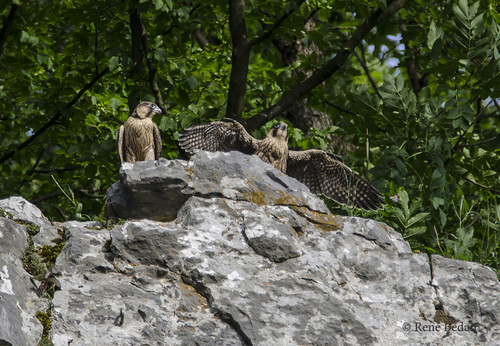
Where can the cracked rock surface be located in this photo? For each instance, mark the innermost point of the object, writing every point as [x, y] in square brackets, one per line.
[19, 299]
[252, 258]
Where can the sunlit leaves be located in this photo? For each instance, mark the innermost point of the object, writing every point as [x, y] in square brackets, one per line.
[397, 97]
[440, 146]
[434, 35]
[114, 103]
[470, 29]
[113, 63]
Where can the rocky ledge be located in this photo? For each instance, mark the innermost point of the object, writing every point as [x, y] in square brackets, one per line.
[226, 250]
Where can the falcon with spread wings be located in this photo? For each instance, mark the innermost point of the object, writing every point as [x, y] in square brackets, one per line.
[321, 172]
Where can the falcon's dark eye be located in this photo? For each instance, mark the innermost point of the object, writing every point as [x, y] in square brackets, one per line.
[276, 126]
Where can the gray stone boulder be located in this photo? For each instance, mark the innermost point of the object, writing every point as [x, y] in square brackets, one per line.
[22, 210]
[156, 190]
[19, 299]
[252, 258]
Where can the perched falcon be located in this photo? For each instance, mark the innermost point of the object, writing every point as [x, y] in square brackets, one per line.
[139, 138]
[321, 172]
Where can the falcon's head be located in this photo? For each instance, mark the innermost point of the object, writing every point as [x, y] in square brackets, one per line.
[279, 131]
[146, 109]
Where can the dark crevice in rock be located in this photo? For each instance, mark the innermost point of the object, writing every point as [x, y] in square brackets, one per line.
[440, 315]
[140, 287]
[226, 317]
[194, 280]
[275, 178]
[298, 230]
[376, 240]
[432, 277]
[143, 315]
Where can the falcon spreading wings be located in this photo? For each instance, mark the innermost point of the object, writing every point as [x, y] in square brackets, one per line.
[139, 138]
[321, 172]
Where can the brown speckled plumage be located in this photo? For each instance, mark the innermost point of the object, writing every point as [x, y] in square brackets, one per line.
[321, 172]
[139, 138]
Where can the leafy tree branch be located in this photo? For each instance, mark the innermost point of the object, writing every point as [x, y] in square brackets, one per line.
[153, 83]
[496, 192]
[135, 71]
[269, 31]
[342, 109]
[56, 170]
[242, 47]
[327, 70]
[54, 119]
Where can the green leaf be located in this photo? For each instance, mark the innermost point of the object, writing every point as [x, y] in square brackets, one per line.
[113, 63]
[114, 103]
[400, 82]
[192, 82]
[41, 58]
[25, 36]
[95, 149]
[90, 170]
[437, 201]
[442, 217]
[414, 231]
[466, 237]
[433, 35]
[161, 55]
[60, 72]
[158, 4]
[34, 40]
[495, 226]
[417, 218]
[167, 124]
[437, 183]
[400, 216]
[163, 124]
[187, 120]
[404, 200]
[401, 166]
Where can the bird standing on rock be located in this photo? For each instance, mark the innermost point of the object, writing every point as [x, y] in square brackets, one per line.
[139, 138]
[321, 172]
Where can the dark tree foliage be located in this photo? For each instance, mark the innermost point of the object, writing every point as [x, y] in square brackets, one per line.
[406, 91]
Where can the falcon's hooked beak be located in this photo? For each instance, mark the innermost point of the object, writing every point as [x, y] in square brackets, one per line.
[155, 108]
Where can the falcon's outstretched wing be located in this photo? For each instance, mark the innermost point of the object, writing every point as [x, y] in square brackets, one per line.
[224, 135]
[324, 174]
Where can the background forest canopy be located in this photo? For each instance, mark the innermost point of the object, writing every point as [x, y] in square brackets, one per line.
[407, 92]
